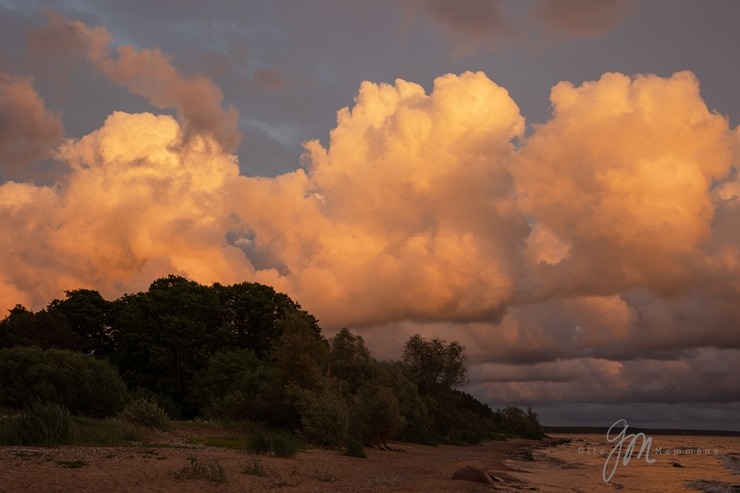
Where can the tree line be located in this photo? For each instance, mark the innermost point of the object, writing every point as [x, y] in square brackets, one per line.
[242, 352]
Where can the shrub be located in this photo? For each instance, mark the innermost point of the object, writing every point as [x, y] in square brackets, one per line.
[40, 424]
[354, 448]
[196, 469]
[82, 384]
[324, 417]
[259, 442]
[284, 446]
[256, 468]
[147, 413]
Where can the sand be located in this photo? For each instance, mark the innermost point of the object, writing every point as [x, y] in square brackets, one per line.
[418, 468]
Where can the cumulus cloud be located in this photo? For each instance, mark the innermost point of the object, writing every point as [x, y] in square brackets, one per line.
[622, 174]
[140, 203]
[28, 130]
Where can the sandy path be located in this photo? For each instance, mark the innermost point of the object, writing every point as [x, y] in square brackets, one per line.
[150, 469]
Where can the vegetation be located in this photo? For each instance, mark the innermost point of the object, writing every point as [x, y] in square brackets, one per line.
[82, 384]
[147, 413]
[40, 424]
[195, 469]
[240, 353]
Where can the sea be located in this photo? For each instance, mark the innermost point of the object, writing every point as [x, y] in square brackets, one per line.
[668, 463]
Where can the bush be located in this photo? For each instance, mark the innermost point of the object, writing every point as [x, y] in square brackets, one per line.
[147, 413]
[40, 424]
[262, 441]
[284, 446]
[259, 442]
[354, 448]
[324, 417]
[82, 384]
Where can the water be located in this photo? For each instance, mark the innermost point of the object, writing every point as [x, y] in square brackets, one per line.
[680, 464]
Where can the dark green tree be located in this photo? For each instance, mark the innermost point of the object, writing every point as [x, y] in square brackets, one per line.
[435, 365]
[166, 335]
[254, 313]
[349, 361]
[87, 315]
[44, 329]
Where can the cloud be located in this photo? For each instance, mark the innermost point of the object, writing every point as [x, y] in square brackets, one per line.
[269, 79]
[490, 23]
[140, 203]
[28, 130]
[622, 174]
[469, 23]
[408, 213]
[148, 73]
[574, 19]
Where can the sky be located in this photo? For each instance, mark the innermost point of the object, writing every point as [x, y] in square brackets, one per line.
[553, 184]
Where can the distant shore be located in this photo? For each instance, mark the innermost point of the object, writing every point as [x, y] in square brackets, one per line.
[417, 468]
[601, 430]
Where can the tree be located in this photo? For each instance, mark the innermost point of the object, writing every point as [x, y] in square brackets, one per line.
[253, 312]
[349, 360]
[87, 314]
[435, 365]
[376, 414]
[235, 384]
[44, 329]
[324, 416]
[166, 335]
[302, 354]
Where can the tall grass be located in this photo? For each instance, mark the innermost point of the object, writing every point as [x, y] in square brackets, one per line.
[145, 412]
[45, 424]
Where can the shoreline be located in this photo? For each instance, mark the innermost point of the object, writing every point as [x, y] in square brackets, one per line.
[418, 468]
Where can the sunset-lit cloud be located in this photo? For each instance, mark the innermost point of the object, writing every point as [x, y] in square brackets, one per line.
[592, 256]
[28, 130]
[147, 73]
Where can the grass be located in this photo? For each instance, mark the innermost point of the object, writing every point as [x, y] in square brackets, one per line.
[263, 441]
[354, 448]
[212, 471]
[104, 432]
[146, 412]
[27, 454]
[278, 480]
[228, 442]
[256, 468]
[46, 424]
[325, 477]
[71, 464]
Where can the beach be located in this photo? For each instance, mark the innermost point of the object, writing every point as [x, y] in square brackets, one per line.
[414, 468]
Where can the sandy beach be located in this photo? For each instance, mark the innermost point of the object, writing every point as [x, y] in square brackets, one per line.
[418, 468]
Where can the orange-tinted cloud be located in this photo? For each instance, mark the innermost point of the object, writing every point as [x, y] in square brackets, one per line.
[148, 73]
[622, 173]
[140, 203]
[28, 130]
[409, 212]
